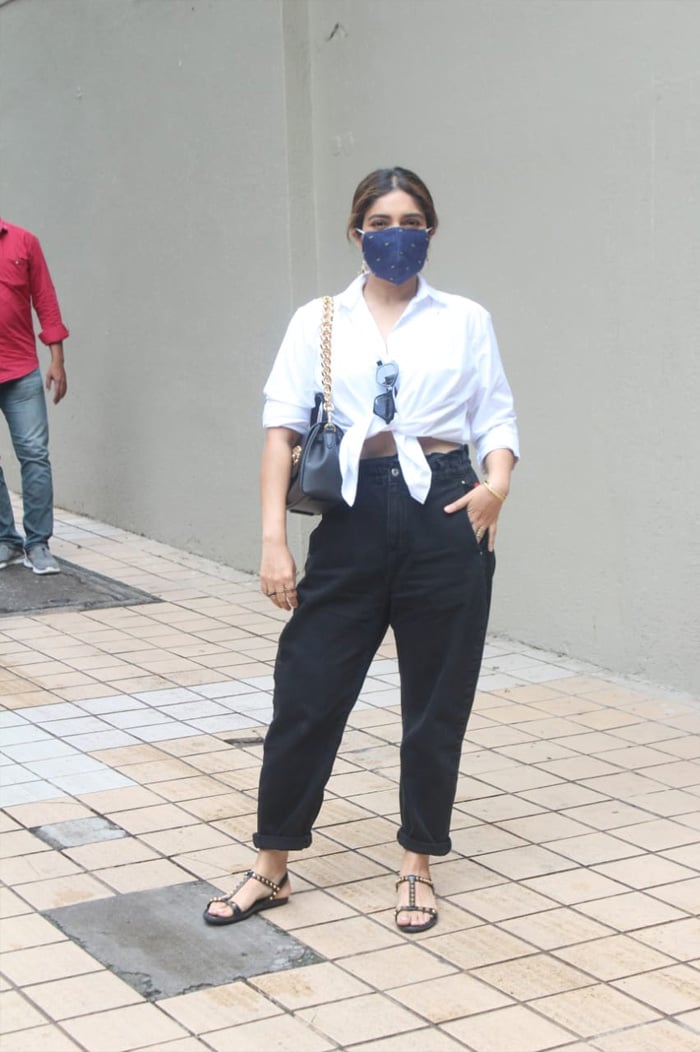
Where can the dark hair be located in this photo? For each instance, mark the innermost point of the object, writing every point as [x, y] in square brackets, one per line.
[383, 181]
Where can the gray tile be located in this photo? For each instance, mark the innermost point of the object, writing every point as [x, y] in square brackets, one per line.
[22, 733]
[91, 782]
[226, 689]
[162, 732]
[11, 719]
[158, 942]
[39, 750]
[29, 793]
[110, 739]
[60, 711]
[189, 710]
[247, 702]
[261, 682]
[83, 725]
[78, 831]
[167, 696]
[135, 718]
[115, 703]
[75, 763]
[221, 724]
[13, 774]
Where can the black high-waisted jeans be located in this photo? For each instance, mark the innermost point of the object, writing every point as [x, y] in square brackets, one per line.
[387, 561]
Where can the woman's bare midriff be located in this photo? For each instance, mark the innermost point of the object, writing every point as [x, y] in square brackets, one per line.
[383, 445]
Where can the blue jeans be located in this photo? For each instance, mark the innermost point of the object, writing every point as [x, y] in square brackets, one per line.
[388, 560]
[24, 406]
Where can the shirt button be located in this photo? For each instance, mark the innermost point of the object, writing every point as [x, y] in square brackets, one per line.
[395, 472]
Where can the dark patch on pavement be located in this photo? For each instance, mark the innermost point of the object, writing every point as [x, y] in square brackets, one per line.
[74, 588]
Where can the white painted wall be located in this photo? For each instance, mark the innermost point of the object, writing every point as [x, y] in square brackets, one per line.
[189, 167]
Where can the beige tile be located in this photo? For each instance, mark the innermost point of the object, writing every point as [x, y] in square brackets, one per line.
[522, 862]
[20, 843]
[482, 838]
[581, 885]
[659, 835]
[216, 1007]
[678, 775]
[185, 839]
[686, 856]
[499, 808]
[563, 795]
[482, 946]
[42, 866]
[562, 927]
[46, 812]
[180, 789]
[645, 871]
[679, 939]
[283, 1033]
[16, 1013]
[532, 977]
[118, 800]
[625, 785]
[396, 966]
[64, 891]
[669, 990]
[150, 819]
[342, 868]
[342, 938]
[636, 757]
[23, 932]
[543, 827]
[12, 905]
[39, 1039]
[614, 957]
[450, 997]
[502, 901]
[609, 815]
[37, 965]
[685, 894]
[314, 984]
[119, 852]
[594, 1010]
[427, 1040]
[122, 1029]
[364, 1018]
[691, 1019]
[651, 1037]
[64, 998]
[160, 770]
[592, 848]
[309, 908]
[579, 766]
[515, 1028]
[222, 865]
[140, 876]
[631, 911]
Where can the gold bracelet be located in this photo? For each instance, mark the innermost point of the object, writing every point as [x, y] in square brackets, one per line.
[493, 492]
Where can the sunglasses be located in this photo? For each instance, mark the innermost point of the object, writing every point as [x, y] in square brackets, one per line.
[385, 404]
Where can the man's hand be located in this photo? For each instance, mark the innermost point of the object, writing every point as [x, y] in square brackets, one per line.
[56, 373]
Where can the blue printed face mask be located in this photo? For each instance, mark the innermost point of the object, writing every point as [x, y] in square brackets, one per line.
[396, 253]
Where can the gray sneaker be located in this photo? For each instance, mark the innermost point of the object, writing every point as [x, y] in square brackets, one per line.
[40, 560]
[10, 553]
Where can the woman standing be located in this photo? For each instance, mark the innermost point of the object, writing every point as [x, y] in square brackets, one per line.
[416, 375]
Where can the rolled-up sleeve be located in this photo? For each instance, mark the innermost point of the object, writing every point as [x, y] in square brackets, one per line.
[492, 415]
[290, 388]
[44, 299]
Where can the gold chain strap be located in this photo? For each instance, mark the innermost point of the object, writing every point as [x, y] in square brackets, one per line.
[326, 331]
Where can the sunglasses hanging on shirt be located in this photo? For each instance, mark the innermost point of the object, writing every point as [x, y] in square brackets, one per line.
[385, 403]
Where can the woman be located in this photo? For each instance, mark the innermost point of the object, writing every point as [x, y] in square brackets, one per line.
[416, 375]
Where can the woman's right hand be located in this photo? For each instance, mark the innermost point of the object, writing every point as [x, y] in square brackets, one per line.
[278, 575]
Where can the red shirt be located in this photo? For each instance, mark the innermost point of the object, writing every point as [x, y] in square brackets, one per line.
[25, 282]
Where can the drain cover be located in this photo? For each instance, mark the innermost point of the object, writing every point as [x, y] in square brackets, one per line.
[158, 942]
[78, 831]
[74, 588]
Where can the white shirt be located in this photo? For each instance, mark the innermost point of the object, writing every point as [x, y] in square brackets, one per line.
[451, 383]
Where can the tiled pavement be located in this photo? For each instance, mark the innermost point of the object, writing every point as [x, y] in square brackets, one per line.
[568, 908]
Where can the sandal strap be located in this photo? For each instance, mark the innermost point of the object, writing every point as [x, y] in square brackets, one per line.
[415, 909]
[249, 875]
[412, 879]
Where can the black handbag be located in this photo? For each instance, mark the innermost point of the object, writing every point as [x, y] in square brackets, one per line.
[315, 481]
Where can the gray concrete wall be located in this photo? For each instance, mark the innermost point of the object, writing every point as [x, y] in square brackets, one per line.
[189, 168]
[146, 144]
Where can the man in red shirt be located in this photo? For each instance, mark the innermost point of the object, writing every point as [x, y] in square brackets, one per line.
[25, 282]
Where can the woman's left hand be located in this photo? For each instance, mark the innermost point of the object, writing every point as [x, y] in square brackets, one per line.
[482, 509]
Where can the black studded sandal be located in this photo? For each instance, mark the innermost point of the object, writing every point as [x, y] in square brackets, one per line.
[412, 880]
[238, 914]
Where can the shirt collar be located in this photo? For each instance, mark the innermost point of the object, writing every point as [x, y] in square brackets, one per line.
[349, 298]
